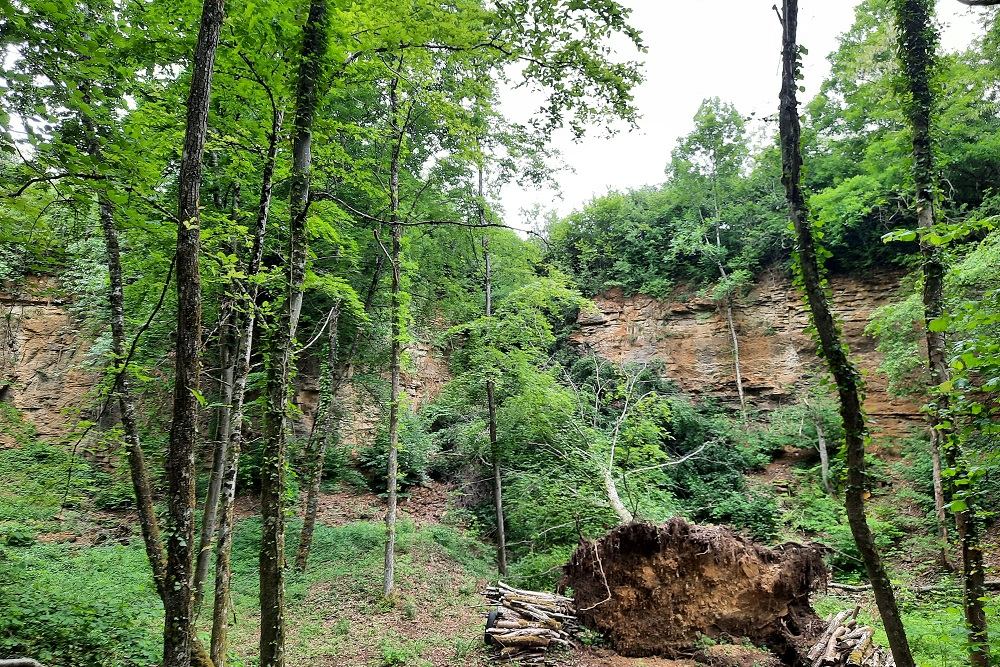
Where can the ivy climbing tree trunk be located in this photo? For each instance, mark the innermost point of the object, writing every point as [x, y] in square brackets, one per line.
[279, 372]
[244, 350]
[395, 312]
[845, 374]
[918, 42]
[178, 632]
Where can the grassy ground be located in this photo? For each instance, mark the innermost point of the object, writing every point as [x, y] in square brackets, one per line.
[76, 590]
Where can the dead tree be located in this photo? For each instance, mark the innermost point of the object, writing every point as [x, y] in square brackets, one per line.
[845, 374]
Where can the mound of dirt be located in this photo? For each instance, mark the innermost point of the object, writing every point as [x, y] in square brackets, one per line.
[657, 589]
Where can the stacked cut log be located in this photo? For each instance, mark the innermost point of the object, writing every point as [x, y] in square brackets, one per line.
[524, 625]
[844, 643]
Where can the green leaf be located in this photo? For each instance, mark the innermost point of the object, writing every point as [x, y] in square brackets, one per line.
[939, 324]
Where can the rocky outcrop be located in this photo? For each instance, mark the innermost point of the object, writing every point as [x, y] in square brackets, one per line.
[689, 337]
[425, 372]
[44, 369]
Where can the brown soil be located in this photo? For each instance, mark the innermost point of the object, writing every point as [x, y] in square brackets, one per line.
[592, 657]
[653, 590]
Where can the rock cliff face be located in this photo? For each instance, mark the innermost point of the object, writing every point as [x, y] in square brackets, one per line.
[424, 375]
[689, 337]
[43, 360]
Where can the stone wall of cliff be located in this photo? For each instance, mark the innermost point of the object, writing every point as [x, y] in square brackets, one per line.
[689, 337]
[45, 371]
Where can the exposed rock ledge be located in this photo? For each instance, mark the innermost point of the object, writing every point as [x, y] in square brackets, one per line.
[690, 338]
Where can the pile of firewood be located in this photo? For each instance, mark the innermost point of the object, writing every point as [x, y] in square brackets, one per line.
[523, 625]
[845, 643]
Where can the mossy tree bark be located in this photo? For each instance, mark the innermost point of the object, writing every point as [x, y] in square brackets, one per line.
[396, 349]
[845, 374]
[282, 342]
[918, 43]
[178, 633]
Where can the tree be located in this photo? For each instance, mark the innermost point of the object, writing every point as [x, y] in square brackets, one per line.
[244, 349]
[845, 374]
[282, 342]
[917, 48]
[178, 633]
[713, 156]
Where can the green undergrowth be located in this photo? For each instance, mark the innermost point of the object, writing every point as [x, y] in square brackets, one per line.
[44, 488]
[77, 606]
[336, 611]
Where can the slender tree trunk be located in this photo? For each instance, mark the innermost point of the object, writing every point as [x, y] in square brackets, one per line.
[272, 547]
[824, 457]
[844, 373]
[228, 341]
[491, 411]
[141, 484]
[396, 344]
[244, 351]
[918, 43]
[940, 512]
[736, 358]
[730, 323]
[323, 432]
[178, 633]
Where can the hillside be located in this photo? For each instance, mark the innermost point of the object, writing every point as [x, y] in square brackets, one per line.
[290, 375]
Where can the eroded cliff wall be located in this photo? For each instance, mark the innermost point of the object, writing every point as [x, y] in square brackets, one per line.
[689, 337]
[45, 371]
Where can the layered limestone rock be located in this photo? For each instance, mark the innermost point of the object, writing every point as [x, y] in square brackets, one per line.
[690, 339]
[44, 369]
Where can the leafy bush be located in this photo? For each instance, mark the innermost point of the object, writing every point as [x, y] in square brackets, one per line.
[416, 452]
[86, 608]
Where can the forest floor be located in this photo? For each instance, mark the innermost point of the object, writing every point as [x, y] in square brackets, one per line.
[73, 574]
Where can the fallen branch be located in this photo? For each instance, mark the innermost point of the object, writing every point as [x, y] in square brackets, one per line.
[992, 585]
[845, 644]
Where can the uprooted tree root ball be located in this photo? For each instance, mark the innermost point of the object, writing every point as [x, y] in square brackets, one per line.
[655, 589]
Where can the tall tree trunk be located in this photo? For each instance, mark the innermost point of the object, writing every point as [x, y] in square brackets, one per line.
[272, 547]
[491, 412]
[244, 351]
[396, 350]
[736, 358]
[844, 373]
[228, 342]
[730, 323]
[178, 632]
[138, 469]
[322, 435]
[918, 43]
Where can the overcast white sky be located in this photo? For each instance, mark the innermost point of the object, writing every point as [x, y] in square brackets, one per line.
[697, 49]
